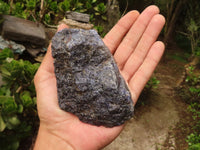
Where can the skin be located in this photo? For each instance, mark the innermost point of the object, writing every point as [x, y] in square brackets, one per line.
[132, 41]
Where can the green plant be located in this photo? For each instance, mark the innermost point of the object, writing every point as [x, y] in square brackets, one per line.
[100, 30]
[100, 10]
[193, 26]
[53, 5]
[48, 11]
[18, 10]
[195, 109]
[5, 53]
[193, 81]
[189, 91]
[18, 114]
[4, 7]
[152, 83]
[195, 90]
[64, 6]
[47, 18]
[194, 35]
[194, 147]
[193, 141]
[31, 4]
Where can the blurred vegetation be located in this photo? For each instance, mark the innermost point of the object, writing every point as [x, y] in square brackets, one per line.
[189, 91]
[52, 11]
[193, 139]
[18, 113]
[182, 20]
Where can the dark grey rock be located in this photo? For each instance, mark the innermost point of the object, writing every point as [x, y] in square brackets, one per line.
[34, 51]
[81, 17]
[89, 83]
[22, 30]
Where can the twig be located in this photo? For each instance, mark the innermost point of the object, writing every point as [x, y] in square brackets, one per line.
[33, 15]
[183, 33]
[50, 26]
[125, 8]
[11, 6]
[41, 9]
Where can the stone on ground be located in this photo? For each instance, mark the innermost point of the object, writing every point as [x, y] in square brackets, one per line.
[81, 17]
[22, 30]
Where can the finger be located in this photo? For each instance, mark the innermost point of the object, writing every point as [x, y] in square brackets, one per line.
[116, 34]
[47, 63]
[138, 81]
[133, 36]
[62, 26]
[148, 38]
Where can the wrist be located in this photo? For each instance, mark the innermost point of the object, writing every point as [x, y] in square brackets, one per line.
[46, 140]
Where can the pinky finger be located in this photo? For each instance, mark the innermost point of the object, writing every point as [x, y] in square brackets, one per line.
[142, 75]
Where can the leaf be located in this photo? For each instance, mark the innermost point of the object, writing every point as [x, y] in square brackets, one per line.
[12, 122]
[97, 14]
[94, 1]
[31, 4]
[4, 7]
[79, 4]
[9, 141]
[64, 6]
[2, 124]
[47, 18]
[6, 99]
[104, 18]
[4, 91]
[6, 53]
[53, 6]
[5, 72]
[8, 105]
[96, 8]
[15, 145]
[101, 8]
[34, 100]
[20, 108]
[88, 5]
[83, 10]
[26, 99]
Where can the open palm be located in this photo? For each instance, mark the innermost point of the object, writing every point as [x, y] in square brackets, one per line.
[132, 41]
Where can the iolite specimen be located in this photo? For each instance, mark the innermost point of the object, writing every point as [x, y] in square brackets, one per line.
[89, 83]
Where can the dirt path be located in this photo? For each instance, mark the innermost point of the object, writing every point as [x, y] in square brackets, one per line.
[150, 128]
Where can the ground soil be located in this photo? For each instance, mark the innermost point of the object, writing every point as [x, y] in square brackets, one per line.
[163, 122]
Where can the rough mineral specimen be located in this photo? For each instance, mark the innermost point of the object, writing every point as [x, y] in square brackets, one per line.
[89, 83]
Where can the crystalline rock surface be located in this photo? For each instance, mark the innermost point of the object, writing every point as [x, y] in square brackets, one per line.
[89, 84]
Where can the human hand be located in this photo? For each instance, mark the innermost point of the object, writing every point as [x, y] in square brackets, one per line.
[132, 41]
